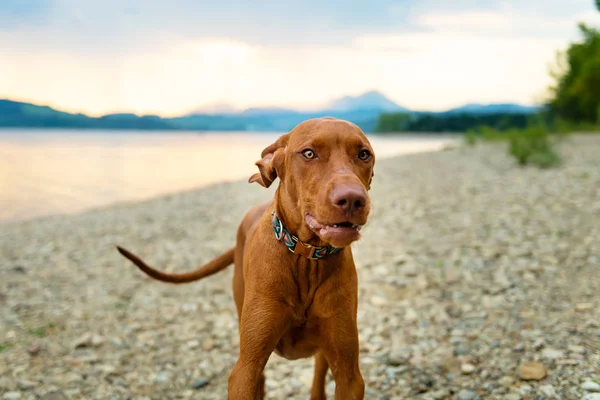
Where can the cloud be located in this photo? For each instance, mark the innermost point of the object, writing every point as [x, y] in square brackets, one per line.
[507, 23]
[131, 24]
[169, 58]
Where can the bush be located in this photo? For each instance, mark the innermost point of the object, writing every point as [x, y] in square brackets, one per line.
[471, 138]
[532, 146]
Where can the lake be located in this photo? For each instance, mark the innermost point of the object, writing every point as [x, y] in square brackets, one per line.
[45, 172]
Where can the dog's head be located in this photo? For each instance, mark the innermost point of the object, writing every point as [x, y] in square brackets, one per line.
[325, 167]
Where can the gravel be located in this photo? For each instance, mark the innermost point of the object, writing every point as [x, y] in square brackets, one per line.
[469, 268]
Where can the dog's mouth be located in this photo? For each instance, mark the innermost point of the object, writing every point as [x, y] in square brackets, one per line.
[339, 234]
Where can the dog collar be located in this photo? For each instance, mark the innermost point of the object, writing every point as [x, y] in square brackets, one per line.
[296, 246]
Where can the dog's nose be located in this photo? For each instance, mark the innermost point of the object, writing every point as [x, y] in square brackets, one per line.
[349, 198]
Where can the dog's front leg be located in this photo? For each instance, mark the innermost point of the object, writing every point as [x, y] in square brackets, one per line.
[339, 344]
[263, 323]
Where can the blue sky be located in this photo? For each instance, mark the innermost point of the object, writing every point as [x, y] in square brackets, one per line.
[150, 56]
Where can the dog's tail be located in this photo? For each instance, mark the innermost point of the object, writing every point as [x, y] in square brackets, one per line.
[208, 269]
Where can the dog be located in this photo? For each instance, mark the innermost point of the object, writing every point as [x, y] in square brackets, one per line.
[295, 283]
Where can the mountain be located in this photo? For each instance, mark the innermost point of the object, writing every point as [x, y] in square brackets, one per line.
[215, 109]
[16, 114]
[363, 110]
[267, 111]
[490, 109]
[371, 100]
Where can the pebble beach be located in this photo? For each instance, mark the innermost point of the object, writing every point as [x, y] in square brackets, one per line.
[478, 279]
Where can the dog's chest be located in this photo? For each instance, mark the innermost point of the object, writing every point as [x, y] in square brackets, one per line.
[298, 342]
[308, 276]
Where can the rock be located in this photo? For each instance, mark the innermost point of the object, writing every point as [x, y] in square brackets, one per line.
[208, 344]
[54, 395]
[532, 371]
[525, 389]
[567, 361]
[306, 377]
[400, 259]
[590, 386]
[107, 369]
[34, 350]
[411, 315]
[584, 307]
[69, 377]
[467, 369]
[439, 394]
[466, 395]
[162, 377]
[200, 383]
[591, 396]
[548, 390]
[519, 348]
[11, 395]
[88, 340]
[378, 301]
[27, 384]
[505, 381]
[399, 356]
[97, 340]
[576, 349]
[512, 396]
[381, 270]
[538, 344]
[410, 270]
[189, 307]
[453, 275]
[84, 340]
[552, 354]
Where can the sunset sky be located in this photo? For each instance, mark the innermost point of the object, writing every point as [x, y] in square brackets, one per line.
[172, 57]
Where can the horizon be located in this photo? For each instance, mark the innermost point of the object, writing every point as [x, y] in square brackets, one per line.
[152, 59]
[220, 108]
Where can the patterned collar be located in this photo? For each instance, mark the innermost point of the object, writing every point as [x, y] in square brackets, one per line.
[296, 246]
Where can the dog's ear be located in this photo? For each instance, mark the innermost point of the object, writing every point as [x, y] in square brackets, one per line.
[270, 166]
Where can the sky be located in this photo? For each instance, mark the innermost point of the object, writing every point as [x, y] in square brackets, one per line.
[172, 58]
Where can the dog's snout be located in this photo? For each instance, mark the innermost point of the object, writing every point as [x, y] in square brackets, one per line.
[349, 198]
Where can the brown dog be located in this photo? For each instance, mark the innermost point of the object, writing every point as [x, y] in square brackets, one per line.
[295, 283]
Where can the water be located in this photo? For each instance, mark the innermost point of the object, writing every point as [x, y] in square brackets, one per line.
[44, 172]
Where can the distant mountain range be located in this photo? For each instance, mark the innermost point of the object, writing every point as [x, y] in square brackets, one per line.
[363, 110]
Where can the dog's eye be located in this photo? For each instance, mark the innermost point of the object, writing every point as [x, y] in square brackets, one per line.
[309, 154]
[364, 155]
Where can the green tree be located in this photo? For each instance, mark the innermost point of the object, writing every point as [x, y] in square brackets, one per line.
[576, 94]
[393, 122]
[577, 90]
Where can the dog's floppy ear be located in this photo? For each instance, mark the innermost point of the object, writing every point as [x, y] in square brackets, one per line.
[271, 163]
